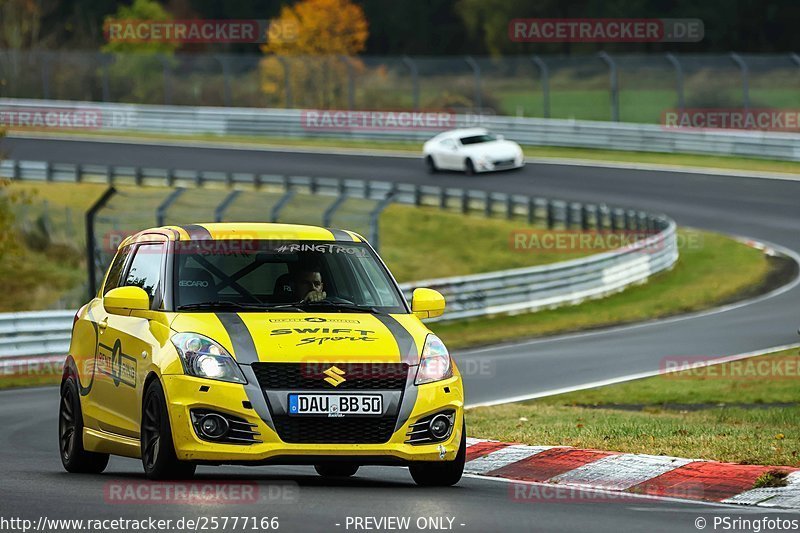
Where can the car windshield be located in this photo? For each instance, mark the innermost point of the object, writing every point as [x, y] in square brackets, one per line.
[477, 139]
[282, 275]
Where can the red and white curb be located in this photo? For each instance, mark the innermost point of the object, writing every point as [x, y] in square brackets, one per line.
[633, 474]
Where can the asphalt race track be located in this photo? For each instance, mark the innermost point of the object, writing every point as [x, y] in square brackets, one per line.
[34, 483]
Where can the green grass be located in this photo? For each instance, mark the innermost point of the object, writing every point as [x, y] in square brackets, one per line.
[742, 164]
[712, 270]
[721, 413]
[36, 280]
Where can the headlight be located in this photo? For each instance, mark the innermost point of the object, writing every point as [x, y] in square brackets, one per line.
[435, 363]
[204, 358]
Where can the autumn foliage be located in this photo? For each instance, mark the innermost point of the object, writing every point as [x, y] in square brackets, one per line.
[311, 51]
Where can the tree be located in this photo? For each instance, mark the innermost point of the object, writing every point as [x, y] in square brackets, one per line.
[138, 68]
[316, 39]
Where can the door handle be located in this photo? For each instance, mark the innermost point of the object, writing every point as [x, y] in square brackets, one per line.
[102, 325]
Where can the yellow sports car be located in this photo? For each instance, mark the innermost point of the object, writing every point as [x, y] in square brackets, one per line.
[259, 344]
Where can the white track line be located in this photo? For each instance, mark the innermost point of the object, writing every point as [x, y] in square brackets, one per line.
[629, 377]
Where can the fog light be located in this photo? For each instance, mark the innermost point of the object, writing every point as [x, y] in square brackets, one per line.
[214, 426]
[440, 426]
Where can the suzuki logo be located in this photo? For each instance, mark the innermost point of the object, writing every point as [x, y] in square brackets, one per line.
[335, 376]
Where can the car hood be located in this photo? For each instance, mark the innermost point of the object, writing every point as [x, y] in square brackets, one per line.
[495, 149]
[305, 337]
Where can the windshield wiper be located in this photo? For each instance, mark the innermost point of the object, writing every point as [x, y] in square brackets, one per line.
[223, 304]
[341, 305]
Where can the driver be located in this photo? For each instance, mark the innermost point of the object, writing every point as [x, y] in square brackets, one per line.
[309, 282]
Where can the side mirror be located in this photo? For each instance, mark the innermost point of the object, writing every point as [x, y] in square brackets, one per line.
[123, 300]
[427, 303]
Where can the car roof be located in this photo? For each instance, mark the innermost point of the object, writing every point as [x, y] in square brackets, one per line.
[463, 132]
[244, 230]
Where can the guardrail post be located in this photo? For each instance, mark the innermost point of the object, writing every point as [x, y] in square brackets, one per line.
[616, 215]
[476, 73]
[417, 196]
[48, 171]
[614, 83]
[509, 207]
[414, 80]
[602, 215]
[327, 216]
[91, 251]
[137, 176]
[219, 212]
[280, 204]
[745, 78]
[584, 217]
[531, 211]
[544, 76]
[678, 79]
[551, 215]
[161, 211]
[442, 198]
[374, 217]
[464, 201]
[170, 177]
[568, 222]
[487, 205]
[287, 83]
[78, 173]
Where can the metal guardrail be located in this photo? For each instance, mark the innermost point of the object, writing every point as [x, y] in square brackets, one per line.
[225, 121]
[508, 291]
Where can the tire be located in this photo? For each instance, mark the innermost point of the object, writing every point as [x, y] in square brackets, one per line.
[444, 474]
[469, 167]
[70, 434]
[336, 469]
[430, 164]
[158, 450]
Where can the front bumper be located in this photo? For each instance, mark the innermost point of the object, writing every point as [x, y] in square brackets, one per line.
[183, 394]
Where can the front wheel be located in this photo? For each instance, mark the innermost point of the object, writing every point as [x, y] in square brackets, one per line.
[70, 434]
[158, 450]
[469, 167]
[336, 470]
[430, 165]
[443, 474]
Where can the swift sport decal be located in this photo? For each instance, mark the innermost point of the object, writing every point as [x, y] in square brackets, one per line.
[320, 336]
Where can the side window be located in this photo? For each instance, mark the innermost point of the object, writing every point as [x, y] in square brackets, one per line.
[145, 271]
[115, 271]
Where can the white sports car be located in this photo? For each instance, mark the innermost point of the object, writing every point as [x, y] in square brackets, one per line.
[471, 150]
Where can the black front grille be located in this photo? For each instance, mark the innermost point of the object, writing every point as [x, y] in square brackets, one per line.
[504, 163]
[344, 430]
[311, 376]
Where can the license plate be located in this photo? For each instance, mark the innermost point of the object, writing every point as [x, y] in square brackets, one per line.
[335, 405]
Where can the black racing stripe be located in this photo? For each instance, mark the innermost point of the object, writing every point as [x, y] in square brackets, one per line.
[405, 341]
[244, 348]
[196, 232]
[341, 235]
